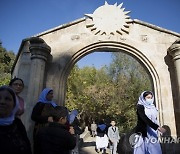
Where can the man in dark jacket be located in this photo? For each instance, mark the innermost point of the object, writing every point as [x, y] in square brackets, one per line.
[56, 138]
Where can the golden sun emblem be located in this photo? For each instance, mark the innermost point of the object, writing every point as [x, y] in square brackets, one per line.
[109, 19]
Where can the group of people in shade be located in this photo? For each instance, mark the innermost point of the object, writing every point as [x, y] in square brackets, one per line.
[56, 128]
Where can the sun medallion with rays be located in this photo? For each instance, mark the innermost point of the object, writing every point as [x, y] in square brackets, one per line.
[109, 20]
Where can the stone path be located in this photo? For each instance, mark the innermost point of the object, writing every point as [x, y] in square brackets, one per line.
[88, 146]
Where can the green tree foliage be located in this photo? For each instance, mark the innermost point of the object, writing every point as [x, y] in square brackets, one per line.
[109, 92]
[6, 61]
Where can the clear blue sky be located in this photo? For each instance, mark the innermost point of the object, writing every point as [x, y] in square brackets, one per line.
[23, 18]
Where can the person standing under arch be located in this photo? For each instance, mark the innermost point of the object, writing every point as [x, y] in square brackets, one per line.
[113, 135]
[101, 137]
[147, 126]
[93, 129]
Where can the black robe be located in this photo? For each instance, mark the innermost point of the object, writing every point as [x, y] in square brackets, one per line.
[13, 139]
[143, 122]
[54, 139]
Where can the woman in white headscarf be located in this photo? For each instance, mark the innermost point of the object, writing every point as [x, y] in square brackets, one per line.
[147, 126]
[13, 136]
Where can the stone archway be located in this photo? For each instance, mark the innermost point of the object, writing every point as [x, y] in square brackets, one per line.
[115, 47]
[51, 55]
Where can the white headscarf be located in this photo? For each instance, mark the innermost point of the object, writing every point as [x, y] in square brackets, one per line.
[143, 102]
[150, 109]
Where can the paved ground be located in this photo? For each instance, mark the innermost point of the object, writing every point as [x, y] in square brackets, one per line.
[88, 147]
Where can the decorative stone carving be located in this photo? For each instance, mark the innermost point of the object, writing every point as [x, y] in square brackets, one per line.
[38, 48]
[144, 38]
[39, 55]
[109, 20]
[174, 50]
[122, 38]
[75, 37]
